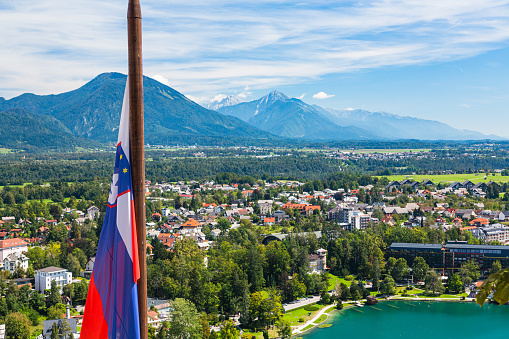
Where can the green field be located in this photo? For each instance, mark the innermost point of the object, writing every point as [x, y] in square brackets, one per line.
[473, 177]
[383, 150]
[5, 150]
[333, 279]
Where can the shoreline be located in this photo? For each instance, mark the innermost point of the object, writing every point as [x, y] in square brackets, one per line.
[301, 329]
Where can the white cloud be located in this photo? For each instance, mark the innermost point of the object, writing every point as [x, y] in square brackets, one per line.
[322, 95]
[245, 93]
[199, 100]
[350, 109]
[465, 106]
[56, 45]
[300, 97]
[218, 98]
[161, 79]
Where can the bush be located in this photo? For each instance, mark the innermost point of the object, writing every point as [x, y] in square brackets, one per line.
[301, 320]
[349, 277]
[339, 306]
[311, 308]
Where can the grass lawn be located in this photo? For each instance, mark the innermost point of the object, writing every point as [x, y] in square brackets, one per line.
[5, 150]
[294, 315]
[412, 291]
[329, 310]
[322, 318]
[46, 201]
[259, 334]
[422, 295]
[474, 177]
[333, 279]
[26, 183]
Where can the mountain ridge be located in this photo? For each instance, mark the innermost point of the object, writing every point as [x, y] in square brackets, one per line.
[93, 111]
[292, 118]
[342, 124]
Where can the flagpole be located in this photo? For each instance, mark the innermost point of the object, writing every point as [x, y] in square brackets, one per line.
[137, 150]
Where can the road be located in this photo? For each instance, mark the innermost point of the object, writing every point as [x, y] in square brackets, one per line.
[301, 303]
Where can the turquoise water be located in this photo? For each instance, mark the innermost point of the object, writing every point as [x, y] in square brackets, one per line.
[417, 320]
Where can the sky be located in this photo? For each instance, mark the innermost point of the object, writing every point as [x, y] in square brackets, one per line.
[444, 60]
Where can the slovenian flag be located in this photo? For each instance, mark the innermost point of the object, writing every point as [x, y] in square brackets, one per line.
[111, 310]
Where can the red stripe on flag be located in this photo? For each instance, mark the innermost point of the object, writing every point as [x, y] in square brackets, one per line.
[118, 196]
[119, 143]
[136, 259]
[94, 324]
[111, 206]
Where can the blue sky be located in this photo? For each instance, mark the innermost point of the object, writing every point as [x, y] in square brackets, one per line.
[443, 60]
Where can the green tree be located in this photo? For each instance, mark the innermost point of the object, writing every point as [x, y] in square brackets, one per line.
[433, 283]
[400, 269]
[17, 326]
[229, 330]
[185, 320]
[469, 272]
[388, 286]
[205, 326]
[284, 329]
[54, 331]
[19, 272]
[496, 266]
[419, 269]
[54, 295]
[345, 292]
[54, 313]
[265, 310]
[277, 263]
[454, 283]
[64, 329]
[73, 265]
[223, 224]
[376, 274]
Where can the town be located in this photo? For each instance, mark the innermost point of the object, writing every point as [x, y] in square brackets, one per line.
[251, 253]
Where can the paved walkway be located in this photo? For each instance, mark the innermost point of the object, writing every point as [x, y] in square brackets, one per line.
[298, 329]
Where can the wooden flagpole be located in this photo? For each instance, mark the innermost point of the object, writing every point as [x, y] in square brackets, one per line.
[137, 149]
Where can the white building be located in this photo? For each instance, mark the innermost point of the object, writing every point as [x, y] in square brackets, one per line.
[12, 246]
[92, 212]
[318, 261]
[45, 276]
[14, 260]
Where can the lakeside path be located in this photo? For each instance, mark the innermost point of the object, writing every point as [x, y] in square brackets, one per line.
[300, 329]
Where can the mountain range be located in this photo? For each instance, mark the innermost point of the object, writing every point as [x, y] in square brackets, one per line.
[293, 118]
[89, 116]
[93, 112]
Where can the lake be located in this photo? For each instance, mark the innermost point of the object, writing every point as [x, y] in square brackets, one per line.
[417, 320]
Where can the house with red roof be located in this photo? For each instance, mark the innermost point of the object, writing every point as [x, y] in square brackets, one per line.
[190, 226]
[479, 222]
[457, 222]
[12, 246]
[269, 221]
